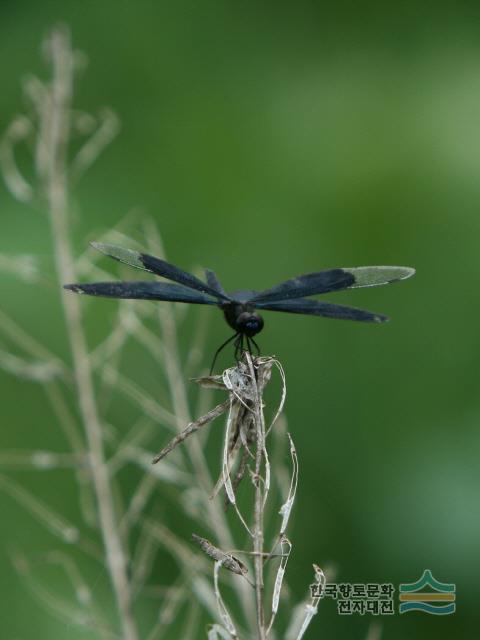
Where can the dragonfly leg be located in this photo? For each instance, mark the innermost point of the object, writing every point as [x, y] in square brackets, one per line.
[256, 346]
[239, 347]
[224, 344]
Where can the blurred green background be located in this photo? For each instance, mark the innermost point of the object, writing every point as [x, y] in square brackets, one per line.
[269, 139]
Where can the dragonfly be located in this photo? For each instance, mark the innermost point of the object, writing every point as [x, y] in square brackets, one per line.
[241, 309]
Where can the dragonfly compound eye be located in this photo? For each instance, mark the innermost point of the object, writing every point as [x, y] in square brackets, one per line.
[249, 323]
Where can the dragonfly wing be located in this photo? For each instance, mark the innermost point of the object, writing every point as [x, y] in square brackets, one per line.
[137, 290]
[325, 309]
[243, 296]
[157, 266]
[213, 282]
[333, 280]
[308, 284]
[376, 276]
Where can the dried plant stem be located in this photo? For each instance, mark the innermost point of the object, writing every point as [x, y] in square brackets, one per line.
[258, 504]
[180, 403]
[54, 135]
[181, 410]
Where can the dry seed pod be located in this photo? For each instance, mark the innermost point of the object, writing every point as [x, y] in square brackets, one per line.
[191, 428]
[228, 561]
[210, 382]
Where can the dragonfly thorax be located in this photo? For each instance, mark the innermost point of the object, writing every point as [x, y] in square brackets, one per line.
[242, 318]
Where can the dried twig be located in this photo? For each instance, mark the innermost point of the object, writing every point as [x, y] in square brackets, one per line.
[259, 500]
[54, 133]
[192, 427]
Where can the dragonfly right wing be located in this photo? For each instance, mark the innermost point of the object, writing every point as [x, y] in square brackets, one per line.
[137, 290]
[325, 309]
[158, 267]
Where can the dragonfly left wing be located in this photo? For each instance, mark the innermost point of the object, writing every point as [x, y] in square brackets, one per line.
[376, 276]
[308, 284]
[332, 280]
[214, 283]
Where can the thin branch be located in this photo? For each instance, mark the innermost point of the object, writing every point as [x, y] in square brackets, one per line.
[40, 460]
[54, 137]
[54, 522]
[28, 343]
[37, 371]
[89, 619]
[101, 138]
[18, 131]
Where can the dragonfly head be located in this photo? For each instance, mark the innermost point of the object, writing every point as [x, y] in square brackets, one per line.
[249, 324]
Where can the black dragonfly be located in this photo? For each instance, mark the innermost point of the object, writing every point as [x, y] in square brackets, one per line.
[241, 308]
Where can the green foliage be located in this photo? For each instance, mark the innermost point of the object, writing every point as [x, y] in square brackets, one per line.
[268, 140]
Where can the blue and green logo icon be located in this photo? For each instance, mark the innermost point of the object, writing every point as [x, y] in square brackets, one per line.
[427, 594]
